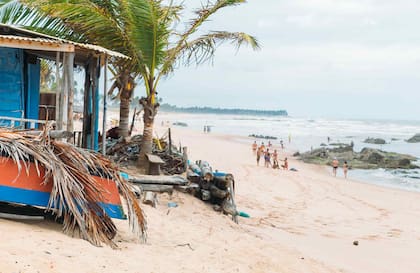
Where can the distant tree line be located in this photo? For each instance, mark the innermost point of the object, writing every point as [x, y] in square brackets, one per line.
[211, 110]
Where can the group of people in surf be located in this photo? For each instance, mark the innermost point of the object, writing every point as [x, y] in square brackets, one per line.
[271, 159]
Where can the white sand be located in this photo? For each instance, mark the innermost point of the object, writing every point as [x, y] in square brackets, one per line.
[302, 221]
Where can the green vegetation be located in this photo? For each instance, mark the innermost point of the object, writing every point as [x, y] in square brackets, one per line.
[211, 110]
[145, 30]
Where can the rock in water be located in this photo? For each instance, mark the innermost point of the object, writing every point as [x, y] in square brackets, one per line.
[414, 139]
[375, 140]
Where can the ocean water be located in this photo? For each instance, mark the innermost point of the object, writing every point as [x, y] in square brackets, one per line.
[307, 133]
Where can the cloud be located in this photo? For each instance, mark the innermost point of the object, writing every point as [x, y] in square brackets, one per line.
[332, 52]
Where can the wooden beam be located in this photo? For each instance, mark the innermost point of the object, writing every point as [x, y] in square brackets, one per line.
[105, 70]
[35, 45]
[70, 79]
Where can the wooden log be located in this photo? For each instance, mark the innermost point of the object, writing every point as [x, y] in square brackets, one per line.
[206, 172]
[185, 157]
[205, 195]
[150, 198]
[159, 179]
[216, 192]
[20, 217]
[156, 188]
[193, 177]
[231, 200]
[192, 188]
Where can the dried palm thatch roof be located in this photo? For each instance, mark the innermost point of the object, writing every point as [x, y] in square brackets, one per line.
[75, 194]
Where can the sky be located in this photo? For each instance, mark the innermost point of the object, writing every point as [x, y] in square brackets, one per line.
[318, 58]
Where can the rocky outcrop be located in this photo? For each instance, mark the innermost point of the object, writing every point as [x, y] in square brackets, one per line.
[368, 158]
[414, 139]
[375, 140]
[262, 136]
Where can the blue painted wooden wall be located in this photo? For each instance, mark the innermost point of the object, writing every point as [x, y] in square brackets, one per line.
[11, 83]
[19, 85]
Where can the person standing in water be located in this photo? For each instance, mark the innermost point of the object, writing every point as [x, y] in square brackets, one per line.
[345, 169]
[254, 147]
[335, 166]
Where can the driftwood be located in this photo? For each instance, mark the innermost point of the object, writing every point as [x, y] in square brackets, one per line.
[193, 177]
[150, 198]
[156, 188]
[231, 200]
[20, 217]
[159, 180]
[206, 171]
[192, 188]
[216, 192]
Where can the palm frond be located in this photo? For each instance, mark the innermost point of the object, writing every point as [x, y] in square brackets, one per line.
[202, 49]
[149, 34]
[75, 194]
[203, 15]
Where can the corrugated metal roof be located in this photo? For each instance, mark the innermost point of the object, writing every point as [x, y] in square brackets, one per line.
[43, 38]
[100, 50]
[20, 38]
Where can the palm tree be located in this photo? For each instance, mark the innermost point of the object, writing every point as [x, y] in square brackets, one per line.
[145, 30]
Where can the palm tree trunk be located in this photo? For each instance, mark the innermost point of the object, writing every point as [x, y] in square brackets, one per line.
[124, 117]
[127, 84]
[147, 141]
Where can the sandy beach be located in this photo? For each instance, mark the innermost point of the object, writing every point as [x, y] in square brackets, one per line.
[303, 221]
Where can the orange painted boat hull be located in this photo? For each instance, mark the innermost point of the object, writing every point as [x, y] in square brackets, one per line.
[27, 188]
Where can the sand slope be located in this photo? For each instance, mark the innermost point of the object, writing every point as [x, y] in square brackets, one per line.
[302, 221]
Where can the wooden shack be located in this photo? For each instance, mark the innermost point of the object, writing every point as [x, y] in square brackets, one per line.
[21, 103]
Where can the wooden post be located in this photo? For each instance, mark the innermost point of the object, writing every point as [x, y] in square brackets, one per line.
[93, 76]
[185, 157]
[105, 105]
[170, 141]
[64, 95]
[86, 116]
[70, 85]
[57, 91]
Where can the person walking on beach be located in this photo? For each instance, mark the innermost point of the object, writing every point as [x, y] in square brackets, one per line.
[335, 166]
[285, 164]
[345, 169]
[262, 147]
[275, 160]
[254, 147]
[267, 158]
[259, 153]
[281, 144]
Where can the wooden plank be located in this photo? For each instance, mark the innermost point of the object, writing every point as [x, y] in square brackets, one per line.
[159, 179]
[156, 188]
[154, 159]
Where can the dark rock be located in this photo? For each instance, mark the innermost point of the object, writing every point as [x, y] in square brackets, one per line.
[296, 154]
[368, 158]
[375, 140]
[322, 144]
[262, 136]
[356, 243]
[414, 139]
[182, 124]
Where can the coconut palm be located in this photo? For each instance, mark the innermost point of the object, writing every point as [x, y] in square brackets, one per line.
[145, 30]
